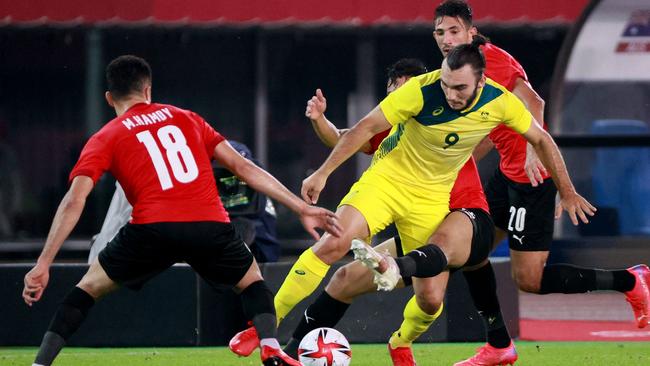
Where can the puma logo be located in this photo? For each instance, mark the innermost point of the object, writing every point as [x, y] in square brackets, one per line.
[307, 317]
[520, 239]
[420, 253]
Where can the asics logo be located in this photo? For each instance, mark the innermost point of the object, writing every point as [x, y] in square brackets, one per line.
[438, 111]
[520, 239]
[300, 272]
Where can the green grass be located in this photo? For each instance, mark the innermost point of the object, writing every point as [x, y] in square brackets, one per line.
[530, 353]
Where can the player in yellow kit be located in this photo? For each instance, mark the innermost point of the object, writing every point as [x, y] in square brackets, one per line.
[439, 118]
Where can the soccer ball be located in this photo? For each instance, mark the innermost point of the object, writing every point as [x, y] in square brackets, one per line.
[324, 347]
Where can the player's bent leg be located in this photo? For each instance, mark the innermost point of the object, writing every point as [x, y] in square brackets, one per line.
[96, 282]
[247, 341]
[73, 311]
[527, 269]
[454, 238]
[499, 349]
[312, 266]
[347, 283]
[420, 312]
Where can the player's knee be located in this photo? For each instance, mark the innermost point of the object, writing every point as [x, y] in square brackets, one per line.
[339, 282]
[527, 281]
[430, 301]
[332, 249]
[441, 239]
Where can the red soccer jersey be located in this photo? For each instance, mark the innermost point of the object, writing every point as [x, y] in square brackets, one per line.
[161, 156]
[467, 191]
[504, 69]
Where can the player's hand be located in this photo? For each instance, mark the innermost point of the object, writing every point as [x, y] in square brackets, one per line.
[312, 186]
[313, 217]
[316, 106]
[35, 283]
[533, 167]
[576, 206]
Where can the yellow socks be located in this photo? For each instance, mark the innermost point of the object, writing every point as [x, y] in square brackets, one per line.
[416, 322]
[303, 278]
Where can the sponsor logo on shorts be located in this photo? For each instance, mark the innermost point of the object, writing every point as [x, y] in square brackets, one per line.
[519, 239]
[300, 272]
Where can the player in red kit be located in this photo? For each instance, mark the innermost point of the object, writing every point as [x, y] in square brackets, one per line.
[521, 194]
[161, 154]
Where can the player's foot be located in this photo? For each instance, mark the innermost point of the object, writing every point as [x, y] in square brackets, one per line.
[275, 357]
[401, 356]
[639, 296]
[244, 342]
[384, 266]
[490, 356]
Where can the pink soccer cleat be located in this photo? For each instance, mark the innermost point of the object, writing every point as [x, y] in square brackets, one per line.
[244, 342]
[639, 296]
[401, 356]
[490, 356]
[276, 357]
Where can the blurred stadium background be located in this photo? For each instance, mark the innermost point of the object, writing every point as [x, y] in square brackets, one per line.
[249, 66]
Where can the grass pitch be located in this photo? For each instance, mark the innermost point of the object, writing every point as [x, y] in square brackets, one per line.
[530, 353]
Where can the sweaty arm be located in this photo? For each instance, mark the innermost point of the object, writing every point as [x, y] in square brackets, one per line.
[260, 180]
[548, 151]
[535, 105]
[256, 177]
[326, 131]
[66, 218]
[348, 144]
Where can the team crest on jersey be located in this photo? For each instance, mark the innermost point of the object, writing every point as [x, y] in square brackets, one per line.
[438, 111]
[485, 115]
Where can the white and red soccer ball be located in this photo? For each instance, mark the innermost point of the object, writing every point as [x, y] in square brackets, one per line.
[324, 347]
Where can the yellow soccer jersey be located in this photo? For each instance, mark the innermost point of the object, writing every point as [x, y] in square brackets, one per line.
[430, 141]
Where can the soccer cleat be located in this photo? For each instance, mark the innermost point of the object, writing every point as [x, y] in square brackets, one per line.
[639, 296]
[401, 356]
[244, 342]
[384, 266]
[490, 356]
[275, 357]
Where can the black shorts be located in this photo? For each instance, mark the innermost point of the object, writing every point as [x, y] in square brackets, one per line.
[140, 252]
[482, 237]
[525, 212]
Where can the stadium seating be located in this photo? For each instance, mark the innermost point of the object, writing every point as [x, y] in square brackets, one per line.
[620, 180]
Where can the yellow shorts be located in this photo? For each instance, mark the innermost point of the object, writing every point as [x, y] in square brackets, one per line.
[416, 214]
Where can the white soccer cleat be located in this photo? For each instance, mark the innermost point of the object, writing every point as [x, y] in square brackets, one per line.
[385, 278]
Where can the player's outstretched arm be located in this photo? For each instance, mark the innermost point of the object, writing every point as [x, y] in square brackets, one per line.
[326, 131]
[570, 201]
[260, 180]
[348, 144]
[535, 104]
[66, 218]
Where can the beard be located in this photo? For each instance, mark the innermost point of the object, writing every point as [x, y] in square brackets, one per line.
[470, 100]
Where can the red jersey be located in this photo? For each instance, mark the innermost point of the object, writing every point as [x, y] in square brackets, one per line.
[467, 191]
[504, 69]
[161, 156]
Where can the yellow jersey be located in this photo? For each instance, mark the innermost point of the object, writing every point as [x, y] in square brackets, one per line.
[430, 141]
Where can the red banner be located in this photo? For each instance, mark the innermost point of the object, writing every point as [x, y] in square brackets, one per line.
[361, 12]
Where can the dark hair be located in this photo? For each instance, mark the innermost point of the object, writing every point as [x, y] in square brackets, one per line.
[127, 74]
[405, 67]
[468, 54]
[455, 8]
